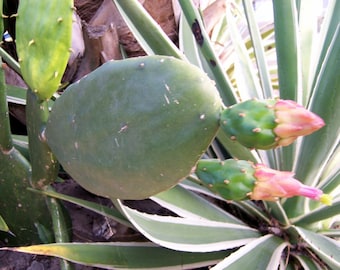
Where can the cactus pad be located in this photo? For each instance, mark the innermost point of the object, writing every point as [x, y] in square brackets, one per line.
[135, 127]
[43, 43]
[232, 179]
[251, 123]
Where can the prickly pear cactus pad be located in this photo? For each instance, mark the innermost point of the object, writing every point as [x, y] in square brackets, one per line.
[43, 43]
[135, 127]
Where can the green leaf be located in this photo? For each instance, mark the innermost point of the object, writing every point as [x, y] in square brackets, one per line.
[246, 78]
[248, 207]
[223, 84]
[308, 26]
[324, 102]
[307, 263]
[97, 208]
[189, 234]
[326, 248]
[3, 225]
[125, 255]
[258, 46]
[20, 143]
[190, 205]
[318, 214]
[330, 178]
[285, 21]
[262, 253]
[187, 43]
[288, 62]
[320, 145]
[148, 33]
[61, 226]
[16, 95]
[329, 26]
[235, 149]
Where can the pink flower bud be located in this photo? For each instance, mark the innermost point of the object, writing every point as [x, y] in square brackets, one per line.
[272, 184]
[294, 120]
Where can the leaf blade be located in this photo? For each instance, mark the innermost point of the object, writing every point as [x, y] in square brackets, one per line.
[265, 251]
[124, 255]
[194, 235]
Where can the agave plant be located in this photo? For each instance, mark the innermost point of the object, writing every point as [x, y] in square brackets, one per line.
[249, 211]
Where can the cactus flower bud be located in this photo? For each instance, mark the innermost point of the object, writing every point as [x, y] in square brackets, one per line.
[294, 120]
[267, 124]
[241, 180]
[272, 184]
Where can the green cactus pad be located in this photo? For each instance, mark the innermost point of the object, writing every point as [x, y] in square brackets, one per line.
[251, 123]
[231, 179]
[43, 43]
[135, 127]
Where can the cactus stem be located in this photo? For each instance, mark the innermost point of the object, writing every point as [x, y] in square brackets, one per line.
[242, 114]
[31, 42]
[257, 130]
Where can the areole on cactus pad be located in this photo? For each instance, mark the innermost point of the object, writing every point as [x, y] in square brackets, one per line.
[136, 127]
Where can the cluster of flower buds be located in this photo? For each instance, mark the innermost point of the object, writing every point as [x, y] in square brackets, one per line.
[264, 124]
